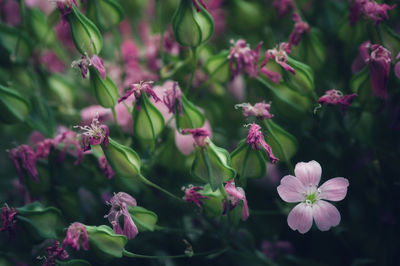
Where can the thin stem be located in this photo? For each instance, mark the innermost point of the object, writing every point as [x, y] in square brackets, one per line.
[194, 66]
[148, 182]
[139, 256]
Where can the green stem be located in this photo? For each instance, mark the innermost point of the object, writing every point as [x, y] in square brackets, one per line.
[139, 256]
[116, 122]
[194, 66]
[148, 182]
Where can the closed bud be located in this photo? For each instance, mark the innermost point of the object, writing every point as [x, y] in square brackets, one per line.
[14, 108]
[190, 117]
[105, 90]
[86, 35]
[104, 242]
[213, 202]
[192, 24]
[144, 219]
[303, 80]
[107, 13]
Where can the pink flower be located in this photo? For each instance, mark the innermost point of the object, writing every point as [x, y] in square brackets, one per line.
[119, 207]
[280, 57]
[105, 167]
[370, 9]
[152, 44]
[129, 52]
[200, 135]
[8, 219]
[12, 12]
[55, 252]
[336, 97]
[65, 7]
[300, 28]
[218, 14]
[255, 138]
[191, 195]
[24, 157]
[235, 195]
[303, 188]
[87, 114]
[172, 98]
[74, 233]
[43, 148]
[283, 6]
[137, 89]
[241, 58]
[95, 134]
[186, 143]
[68, 142]
[52, 62]
[259, 110]
[85, 62]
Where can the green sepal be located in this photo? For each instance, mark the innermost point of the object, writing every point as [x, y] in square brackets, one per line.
[107, 13]
[105, 90]
[303, 80]
[191, 117]
[144, 219]
[217, 67]
[39, 221]
[85, 34]
[104, 242]
[123, 160]
[14, 108]
[213, 204]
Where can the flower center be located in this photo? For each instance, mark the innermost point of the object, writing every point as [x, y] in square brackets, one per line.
[311, 198]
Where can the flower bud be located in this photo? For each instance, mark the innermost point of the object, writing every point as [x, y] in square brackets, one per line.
[213, 202]
[123, 160]
[145, 220]
[192, 27]
[190, 117]
[104, 242]
[14, 108]
[86, 35]
[303, 80]
[105, 90]
[107, 13]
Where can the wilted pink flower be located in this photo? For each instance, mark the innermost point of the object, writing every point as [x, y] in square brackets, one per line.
[192, 195]
[24, 157]
[55, 252]
[105, 114]
[12, 12]
[137, 89]
[85, 62]
[273, 249]
[370, 9]
[52, 62]
[95, 134]
[8, 219]
[119, 207]
[336, 97]
[280, 57]
[241, 58]
[303, 188]
[65, 7]
[68, 142]
[255, 138]
[235, 195]
[300, 28]
[105, 167]
[283, 6]
[74, 233]
[186, 143]
[172, 98]
[200, 135]
[43, 148]
[197, 6]
[259, 110]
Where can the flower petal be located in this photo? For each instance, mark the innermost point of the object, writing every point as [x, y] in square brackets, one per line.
[334, 189]
[308, 173]
[325, 215]
[291, 189]
[300, 218]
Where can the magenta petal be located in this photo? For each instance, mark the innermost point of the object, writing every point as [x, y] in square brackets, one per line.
[334, 189]
[98, 63]
[300, 218]
[309, 173]
[397, 70]
[272, 75]
[325, 215]
[291, 189]
[245, 213]
[130, 229]
[379, 75]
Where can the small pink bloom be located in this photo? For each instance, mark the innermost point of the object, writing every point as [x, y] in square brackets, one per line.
[119, 207]
[8, 219]
[336, 97]
[283, 6]
[55, 252]
[218, 14]
[303, 188]
[74, 233]
[200, 135]
[280, 57]
[65, 7]
[95, 134]
[273, 249]
[235, 195]
[172, 98]
[85, 62]
[370, 9]
[24, 157]
[300, 28]
[43, 148]
[192, 195]
[241, 58]
[52, 62]
[186, 143]
[68, 142]
[259, 110]
[255, 138]
[137, 89]
[105, 167]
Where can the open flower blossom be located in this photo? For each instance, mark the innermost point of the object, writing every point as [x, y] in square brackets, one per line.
[259, 110]
[303, 188]
[105, 167]
[300, 28]
[69, 143]
[74, 233]
[369, 9]
[379, 60]
[55, 252]
[235, 195]
[85, 62]
[137, 89]
[200, 135]
[283, 6]
[241, 57]
[119, 207]
[256, 139]
[280, 57]
[95, 134]
[173, 98]
[8, 219]
[336, 97]
[192, 195]
[24, 157]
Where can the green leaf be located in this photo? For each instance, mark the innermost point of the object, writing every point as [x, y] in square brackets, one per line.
[144, 219]
[14, 108]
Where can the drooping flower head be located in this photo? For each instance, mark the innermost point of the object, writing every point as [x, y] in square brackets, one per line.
[119, 207]
[278, 54]
[192, 195]
[74, 233]
[241, 58]
[300, 28]
[69, 142]
[55, 252]
[197, 6]
[303, 188]
[95, 134]
[85, 62]
[8, 219]
[283, 6]
[369, 9]
[336, 97]
[137, 89]
[200, 135]
[105, 167]
[235, 195]
[173, 98]
[259, 110]
[24, 157]
[256, 139]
